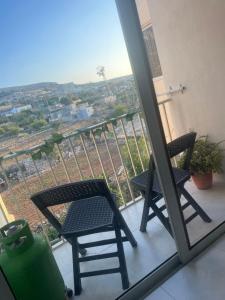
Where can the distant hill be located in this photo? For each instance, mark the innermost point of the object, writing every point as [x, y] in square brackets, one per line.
[35, 91]
[36, 86]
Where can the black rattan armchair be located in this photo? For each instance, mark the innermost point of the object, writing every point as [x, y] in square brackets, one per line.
[147, 183]
[92, 210]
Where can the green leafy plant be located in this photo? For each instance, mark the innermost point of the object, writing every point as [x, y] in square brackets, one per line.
[207, 157]
[119, 109]
[135, 156]
[48, 146]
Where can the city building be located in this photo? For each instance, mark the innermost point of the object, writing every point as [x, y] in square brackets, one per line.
[18, 109]
[110, 99]
[74, 112]
[9, 110]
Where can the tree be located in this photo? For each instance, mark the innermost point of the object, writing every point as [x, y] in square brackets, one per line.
[66, 101]
[74, 98]
[135, 157]
[23, 119]
[119, 110]
[11, 129]
[4, 120]
[37, 124]
[53, 100]
[2, 130]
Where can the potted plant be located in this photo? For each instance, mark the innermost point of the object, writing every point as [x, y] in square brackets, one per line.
[206, 159]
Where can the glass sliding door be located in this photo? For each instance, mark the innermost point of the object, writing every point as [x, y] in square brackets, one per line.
[162, 64]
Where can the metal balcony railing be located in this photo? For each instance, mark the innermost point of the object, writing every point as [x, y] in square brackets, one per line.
[116, 150]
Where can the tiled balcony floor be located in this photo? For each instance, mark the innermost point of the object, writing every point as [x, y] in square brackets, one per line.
[154, 247]
[202, 278]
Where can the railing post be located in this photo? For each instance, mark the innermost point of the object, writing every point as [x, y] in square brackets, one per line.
[9, 185]
[128, 147]
[144, 136]
[99, 157]
[124, 167]
[87, 156]
[136, 143]
[63, 162]
[39, 175]
[24, 179]
[113, 166]
[75, 159]
[29, 193]
[51, 168]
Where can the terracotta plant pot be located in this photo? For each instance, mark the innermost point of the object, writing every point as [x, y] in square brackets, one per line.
[203, 182]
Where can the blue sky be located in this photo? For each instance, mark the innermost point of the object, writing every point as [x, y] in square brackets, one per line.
[60, 40]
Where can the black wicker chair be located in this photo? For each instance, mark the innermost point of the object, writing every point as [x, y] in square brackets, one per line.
[147, 183]
[92, 210]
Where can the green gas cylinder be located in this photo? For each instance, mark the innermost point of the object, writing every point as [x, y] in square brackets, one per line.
[29, 265]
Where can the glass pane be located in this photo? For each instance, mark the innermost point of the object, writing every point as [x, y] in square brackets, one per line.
[191, 57]
[69, 112]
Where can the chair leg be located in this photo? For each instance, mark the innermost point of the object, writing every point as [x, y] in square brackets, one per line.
[82, 251]
[126, 230]
[122, 260]
[76, 267]
[144, 218]
[195, 205]
[158, 213]
[164, 220]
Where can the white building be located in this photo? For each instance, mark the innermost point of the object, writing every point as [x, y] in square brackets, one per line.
[110, 99]
[18, 109]
[84, 111]
[9, 111]
[71, 113]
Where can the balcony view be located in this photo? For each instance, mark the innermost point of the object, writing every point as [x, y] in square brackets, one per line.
[72, 117]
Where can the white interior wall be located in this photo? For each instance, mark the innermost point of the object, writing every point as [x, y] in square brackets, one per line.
[144, 12]
[190, 38]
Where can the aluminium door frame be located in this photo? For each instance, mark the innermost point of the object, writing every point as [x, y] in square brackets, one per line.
[131, 27]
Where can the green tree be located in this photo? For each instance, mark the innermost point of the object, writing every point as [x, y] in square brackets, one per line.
[66, 101]
[2, 130]
[37, 124]
[119, 110]
[11, 129]
[135, 157]
[53, 100]
[24, 118]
